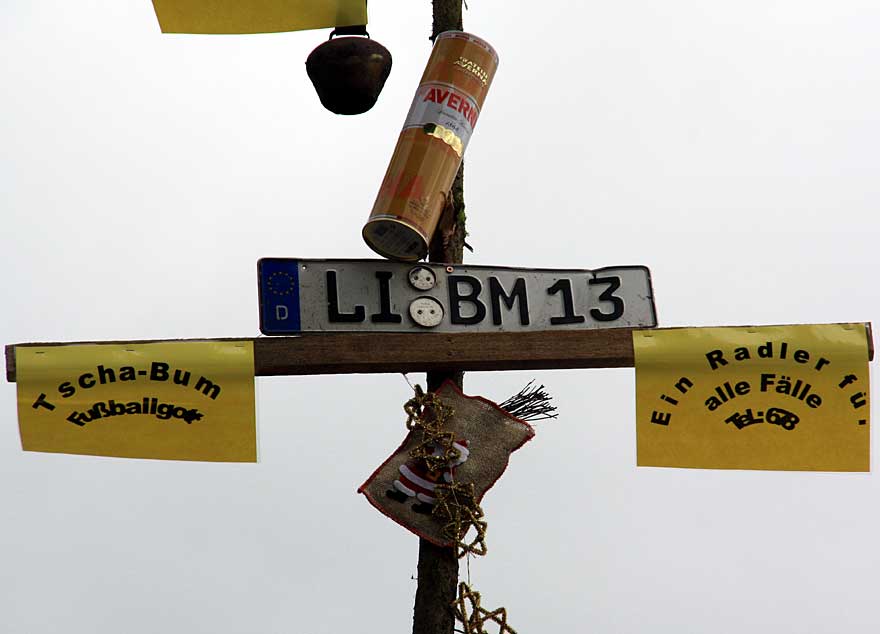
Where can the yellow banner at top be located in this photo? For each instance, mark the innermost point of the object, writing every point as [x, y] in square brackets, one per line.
[257, 16]
[775, 397]
[190, 400]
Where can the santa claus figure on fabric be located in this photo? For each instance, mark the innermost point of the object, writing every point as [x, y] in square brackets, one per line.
[454, 441]
[415, 480]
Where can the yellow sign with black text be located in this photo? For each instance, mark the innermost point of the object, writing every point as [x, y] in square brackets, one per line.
[189, 400]
[792, 398]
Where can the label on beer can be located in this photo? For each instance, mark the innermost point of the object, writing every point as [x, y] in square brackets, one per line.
[470, 38]
[445, 112]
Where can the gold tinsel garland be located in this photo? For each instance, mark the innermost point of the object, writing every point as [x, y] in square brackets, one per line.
[456, 504]
[428, 414]
[473, 618]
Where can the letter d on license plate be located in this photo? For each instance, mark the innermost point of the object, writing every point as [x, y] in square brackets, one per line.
[299, 296]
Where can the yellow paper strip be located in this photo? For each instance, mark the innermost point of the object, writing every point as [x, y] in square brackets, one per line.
[257, 16]
[777, 397]
[170, 400]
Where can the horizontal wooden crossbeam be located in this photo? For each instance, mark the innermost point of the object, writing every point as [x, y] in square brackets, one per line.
[365, 353]
[348, 353]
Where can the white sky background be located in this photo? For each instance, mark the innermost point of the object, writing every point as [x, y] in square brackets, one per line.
[730, 147]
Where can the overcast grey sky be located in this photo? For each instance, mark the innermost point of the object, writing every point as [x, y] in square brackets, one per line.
[730, 147]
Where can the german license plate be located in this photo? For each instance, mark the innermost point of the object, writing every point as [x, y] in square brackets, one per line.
[382, 296]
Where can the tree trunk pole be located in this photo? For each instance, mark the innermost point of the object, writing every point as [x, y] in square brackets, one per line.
[438, 567]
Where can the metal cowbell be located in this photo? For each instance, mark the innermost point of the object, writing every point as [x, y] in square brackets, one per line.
[349, 72]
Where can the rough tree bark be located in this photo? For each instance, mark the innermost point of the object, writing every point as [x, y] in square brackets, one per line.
[438, 567]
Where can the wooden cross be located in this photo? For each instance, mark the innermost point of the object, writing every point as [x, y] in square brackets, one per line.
[442, 356]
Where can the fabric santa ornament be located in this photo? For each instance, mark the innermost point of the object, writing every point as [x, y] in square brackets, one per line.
[480, 436]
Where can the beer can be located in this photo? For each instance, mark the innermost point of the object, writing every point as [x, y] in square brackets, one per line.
[431, 145]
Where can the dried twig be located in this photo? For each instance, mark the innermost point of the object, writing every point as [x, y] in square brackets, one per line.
[530, 404]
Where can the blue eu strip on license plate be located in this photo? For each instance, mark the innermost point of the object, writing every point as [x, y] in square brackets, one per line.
[299, 295]
[279, 296]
